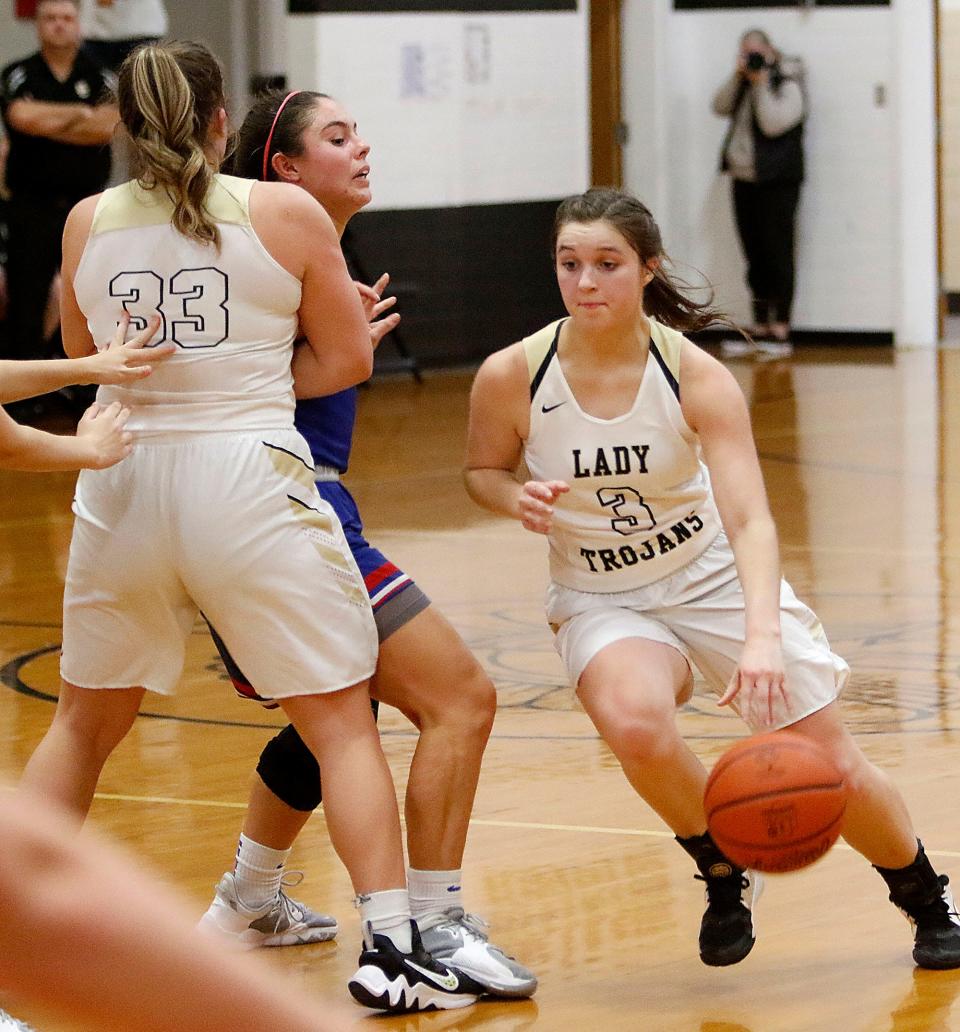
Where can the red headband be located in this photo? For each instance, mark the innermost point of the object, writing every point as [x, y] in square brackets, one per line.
[276, 118]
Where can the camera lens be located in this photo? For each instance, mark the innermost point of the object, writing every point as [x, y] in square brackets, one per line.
[755, 61]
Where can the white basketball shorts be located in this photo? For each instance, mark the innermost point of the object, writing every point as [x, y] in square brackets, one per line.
[228, 523]
[699, 610]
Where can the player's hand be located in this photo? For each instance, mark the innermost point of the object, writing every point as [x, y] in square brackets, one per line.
[374, 305]
[124, 361]
[102, 429]
[760, 683]
[536, 504]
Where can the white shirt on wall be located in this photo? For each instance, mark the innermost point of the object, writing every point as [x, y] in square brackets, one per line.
[123, 19]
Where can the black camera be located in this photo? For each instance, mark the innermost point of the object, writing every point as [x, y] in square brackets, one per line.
[755, 61]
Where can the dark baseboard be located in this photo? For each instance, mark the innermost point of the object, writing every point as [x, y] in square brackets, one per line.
[813, 338]
[468, 280]
[953, 303]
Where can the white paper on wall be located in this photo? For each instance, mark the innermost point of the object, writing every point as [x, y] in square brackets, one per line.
[459, 109]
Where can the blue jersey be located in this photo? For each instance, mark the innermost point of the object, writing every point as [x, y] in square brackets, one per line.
[327, 425]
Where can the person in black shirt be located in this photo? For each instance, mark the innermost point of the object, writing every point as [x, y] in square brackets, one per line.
[59, 125]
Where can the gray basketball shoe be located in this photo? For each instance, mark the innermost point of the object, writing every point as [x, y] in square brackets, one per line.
[281, 922]
[460, 941]
[8, 1023]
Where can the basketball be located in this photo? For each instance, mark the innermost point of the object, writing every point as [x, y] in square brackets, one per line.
[775, 802]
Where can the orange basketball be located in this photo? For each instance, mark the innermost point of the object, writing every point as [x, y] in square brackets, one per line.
[775, 802]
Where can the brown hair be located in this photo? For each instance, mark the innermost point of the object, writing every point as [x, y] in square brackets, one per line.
[168, 95]
[288, 129]
[664, 296]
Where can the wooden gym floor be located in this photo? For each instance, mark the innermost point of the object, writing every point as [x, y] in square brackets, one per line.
[576, 875]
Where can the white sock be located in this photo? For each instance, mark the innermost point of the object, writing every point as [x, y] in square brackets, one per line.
[388, 913]
[257, 872]
[432, 894]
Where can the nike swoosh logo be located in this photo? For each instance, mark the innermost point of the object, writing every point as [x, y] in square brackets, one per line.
[550, 408]
[449, 982]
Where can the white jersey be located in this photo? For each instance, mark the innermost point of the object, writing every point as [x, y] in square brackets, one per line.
[640, 505]
[123, 19]
[232, 312]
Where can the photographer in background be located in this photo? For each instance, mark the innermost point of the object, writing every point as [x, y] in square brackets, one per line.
[763, 153]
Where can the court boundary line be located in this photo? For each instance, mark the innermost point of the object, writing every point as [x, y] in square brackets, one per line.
[480, 822]
[10, 678]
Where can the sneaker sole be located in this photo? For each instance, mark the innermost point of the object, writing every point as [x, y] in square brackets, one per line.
[371, 988]
[302, 938]
[247, 938]
[508, 992]
[729, 960]
[936, 963]
[518, 990]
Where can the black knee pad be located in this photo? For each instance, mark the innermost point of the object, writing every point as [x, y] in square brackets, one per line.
[289, 770]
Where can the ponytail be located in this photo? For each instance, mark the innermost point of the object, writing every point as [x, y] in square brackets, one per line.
[665, 299]
[168, 96]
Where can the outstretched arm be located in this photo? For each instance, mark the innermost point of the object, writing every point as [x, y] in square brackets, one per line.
[88, 936]
[120, 362]
[100, 441]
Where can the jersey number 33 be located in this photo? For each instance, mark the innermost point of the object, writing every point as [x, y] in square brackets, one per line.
[192, 304]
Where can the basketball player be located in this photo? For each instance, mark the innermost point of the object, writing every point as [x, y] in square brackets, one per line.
[101, 439]
[126, 922]
[216, 508]
[89, 938]
[663, 554]
[424, 669]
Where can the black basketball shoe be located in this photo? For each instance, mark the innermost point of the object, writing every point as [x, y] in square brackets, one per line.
[924, 899]
[727, 930]
[401, 982]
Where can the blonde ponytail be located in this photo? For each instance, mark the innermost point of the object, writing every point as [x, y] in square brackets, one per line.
[168, 96]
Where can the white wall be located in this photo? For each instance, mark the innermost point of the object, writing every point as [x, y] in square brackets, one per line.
[229, 27]
[462, 109]
[950, 140]
[17, 37]
[866, 228]
[485, 108]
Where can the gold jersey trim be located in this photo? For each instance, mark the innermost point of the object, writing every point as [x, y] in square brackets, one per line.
[130, 206]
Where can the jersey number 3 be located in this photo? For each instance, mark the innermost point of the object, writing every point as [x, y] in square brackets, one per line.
[192, 306]
[632, 513]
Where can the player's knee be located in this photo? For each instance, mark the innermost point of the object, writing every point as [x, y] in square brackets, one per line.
[481, 698]
[640, 736]
[95, 731]
[468, 706]
[859, 775]
[290, 771]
